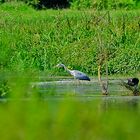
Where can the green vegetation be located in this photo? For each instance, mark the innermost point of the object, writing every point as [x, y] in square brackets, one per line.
[105, 4]
[35, 41]
[26, 116]
[71, 120]
[82, 4]
[38, 40]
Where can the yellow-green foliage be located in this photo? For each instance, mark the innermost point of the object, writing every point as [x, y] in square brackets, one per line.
[40, 39]
[104, 4]
[82, 4]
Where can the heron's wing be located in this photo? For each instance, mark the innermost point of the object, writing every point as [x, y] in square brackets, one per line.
[77, 73]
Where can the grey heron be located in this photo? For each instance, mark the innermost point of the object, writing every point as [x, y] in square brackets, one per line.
[75, 73]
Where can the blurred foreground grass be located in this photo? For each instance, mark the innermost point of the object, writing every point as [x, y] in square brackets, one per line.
[65, 118]
[68, 120]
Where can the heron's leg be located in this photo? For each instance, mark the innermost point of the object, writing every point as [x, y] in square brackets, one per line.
[77, 82]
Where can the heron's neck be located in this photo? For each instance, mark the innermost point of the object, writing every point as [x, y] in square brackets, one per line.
[66, 68]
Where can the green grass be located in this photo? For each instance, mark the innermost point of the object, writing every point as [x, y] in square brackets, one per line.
[38, 40]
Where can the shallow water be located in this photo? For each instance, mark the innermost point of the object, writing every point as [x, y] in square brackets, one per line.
[59, 90]
[79, 88]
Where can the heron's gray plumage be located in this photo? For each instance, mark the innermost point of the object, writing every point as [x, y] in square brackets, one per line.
[79, 75]
[75, 73]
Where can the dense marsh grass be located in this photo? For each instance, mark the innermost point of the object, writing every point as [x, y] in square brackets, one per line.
[105, 4]
[38, 40]
[82, 4]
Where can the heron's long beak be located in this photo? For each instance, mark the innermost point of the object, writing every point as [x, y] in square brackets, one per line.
[57, 66]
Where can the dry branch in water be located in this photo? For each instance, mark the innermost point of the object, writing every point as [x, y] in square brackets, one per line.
[103, 84]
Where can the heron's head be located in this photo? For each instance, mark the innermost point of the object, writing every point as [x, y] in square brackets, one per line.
[60, 65]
